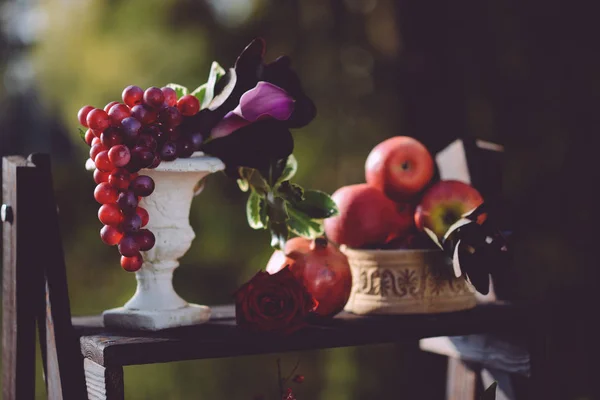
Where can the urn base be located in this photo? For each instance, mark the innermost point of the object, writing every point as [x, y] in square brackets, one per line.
[154, 320]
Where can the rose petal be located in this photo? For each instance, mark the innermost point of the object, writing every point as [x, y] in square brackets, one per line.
[265, 100]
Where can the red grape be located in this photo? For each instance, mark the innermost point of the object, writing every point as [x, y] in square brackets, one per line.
[105, 193]
[100, 176]
[168, 152]
[185, 147]
[132, 264]
[170, 117]
[142, 186]
[131, 130]
[161, 135]
[109, 105]
[83, 113]
[112, 136]
[170, 96]
[97, 133]
[98, 120]
[118, 113]
[154, 97]
[120, 179]
[131, 223]
[134, 165]
[96, 140]
[145, 239]
[119, 155]
[110, 235]
[188, 105]
[110, 214]
[174, 134]
[96, 148]
[144, 114]
[155, 163]
[128, 246]
[147, 141]
[142, 156]
[143, 215]
[128, 202]
[89, 137]
[103, 163]
[197, 138]
[132, 95]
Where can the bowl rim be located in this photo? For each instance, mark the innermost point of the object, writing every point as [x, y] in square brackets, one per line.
[349, 250]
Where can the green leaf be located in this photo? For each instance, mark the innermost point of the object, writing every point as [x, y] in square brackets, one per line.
[317, 205]
[179, 89]
[243, 184]
[200, 93]
[255, 180]
[291, 192]
[279, 235]
[253, 210]
[302, 225]
[490, 392]
[291, 166]
[81, 134]
[206, 92]
[277, 208]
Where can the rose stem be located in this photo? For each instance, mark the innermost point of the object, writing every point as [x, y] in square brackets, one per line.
[293, 370]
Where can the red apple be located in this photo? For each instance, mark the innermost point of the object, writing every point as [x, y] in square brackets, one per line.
[444, 203]
[366, 217]
[401, 166]
[404, 221]
[321, 267]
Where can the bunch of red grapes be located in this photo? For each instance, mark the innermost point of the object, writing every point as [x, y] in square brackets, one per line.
[139, 133]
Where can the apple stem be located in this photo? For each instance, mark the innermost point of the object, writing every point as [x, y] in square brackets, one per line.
[404, 165]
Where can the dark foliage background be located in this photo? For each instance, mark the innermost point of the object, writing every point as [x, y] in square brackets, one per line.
[521, 73]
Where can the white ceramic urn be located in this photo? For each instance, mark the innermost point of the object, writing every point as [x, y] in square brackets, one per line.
[155, 304]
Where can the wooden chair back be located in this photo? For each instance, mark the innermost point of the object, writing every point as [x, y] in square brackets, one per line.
[35, 288]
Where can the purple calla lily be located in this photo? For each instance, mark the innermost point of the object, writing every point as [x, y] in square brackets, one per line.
[248, 121]
[264, 101]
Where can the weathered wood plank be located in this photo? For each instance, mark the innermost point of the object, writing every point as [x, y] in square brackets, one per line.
[103, 383]
[220, 337]
[18, 309]
[63, 361]
[502, 353]
[461, 383]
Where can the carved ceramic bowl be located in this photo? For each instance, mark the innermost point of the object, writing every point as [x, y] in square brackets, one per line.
[405, 282]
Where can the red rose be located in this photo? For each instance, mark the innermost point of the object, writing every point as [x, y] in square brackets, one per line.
[273, 303]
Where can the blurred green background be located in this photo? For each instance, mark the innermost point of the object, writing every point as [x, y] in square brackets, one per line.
[513, 72]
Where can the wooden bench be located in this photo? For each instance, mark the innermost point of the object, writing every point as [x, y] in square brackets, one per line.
[35, 292]
[107, 351]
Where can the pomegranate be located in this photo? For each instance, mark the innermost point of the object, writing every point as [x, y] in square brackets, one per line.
[366, 217]
[321, 267]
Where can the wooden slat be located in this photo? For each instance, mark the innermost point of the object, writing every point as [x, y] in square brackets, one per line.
[502, 353]
[63, 362]
[18, 309]
[220, 337]
[103, 383]
[461, 383]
